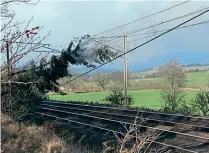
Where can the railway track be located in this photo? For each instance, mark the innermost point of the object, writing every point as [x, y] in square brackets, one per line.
[192, 132]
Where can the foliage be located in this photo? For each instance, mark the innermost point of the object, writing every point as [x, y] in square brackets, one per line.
[20, 98]
[117, 98]
[59, 64]
[201, 102]
[173, 99]
[187, 109]
[208, 81]
[19, 93]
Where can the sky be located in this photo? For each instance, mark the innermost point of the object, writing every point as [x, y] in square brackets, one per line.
[69, 19]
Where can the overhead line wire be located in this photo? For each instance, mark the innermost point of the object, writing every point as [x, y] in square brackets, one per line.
[143, 17]
[57, 51]
[138, 30]
[145, 33]
[140, 45]
[203, 22]
[121, 37]
[106, 41]
[199, 23]
[144, 28]
[47, 63]
[192, 13]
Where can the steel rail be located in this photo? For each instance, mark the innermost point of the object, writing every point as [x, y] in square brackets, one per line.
[127, 123]
[129, 116]
[137, 111]
[113, 131]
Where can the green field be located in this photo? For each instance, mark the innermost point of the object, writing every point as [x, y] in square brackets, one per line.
[148, 98]
[197, 79]
[193, 79]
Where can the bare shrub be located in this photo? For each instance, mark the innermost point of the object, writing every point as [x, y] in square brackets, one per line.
[173, 74]
[134, 140]
[118, 76]
[102, 80]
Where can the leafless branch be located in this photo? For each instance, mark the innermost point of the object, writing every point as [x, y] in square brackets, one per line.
[25, 83]
[138, 142]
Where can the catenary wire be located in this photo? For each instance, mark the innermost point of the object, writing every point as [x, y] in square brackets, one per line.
[128, 33]
[143, 17]
[139, 45]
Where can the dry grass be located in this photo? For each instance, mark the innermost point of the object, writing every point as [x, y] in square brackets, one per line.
[32, 139]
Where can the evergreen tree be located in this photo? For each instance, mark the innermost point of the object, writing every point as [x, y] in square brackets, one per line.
[58, 67]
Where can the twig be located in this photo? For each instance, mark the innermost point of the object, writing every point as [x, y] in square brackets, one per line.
[25, 83]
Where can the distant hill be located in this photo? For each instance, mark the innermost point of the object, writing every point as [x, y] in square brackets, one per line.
[186, 67]
[142, 72]
[196, 66]
[83, 70]
[191, 65]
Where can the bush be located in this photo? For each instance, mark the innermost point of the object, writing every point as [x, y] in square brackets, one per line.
[117, 98]
[196, 70]
[186, 109]
[175, 102]
[201, 102]
[173, 99]
[20, 98]
[20, 101]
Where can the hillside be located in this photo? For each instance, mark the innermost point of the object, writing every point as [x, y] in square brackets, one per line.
[193, 79]
[144, 72]
[140, 72]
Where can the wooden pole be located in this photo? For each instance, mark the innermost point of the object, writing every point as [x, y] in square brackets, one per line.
[8, 60]
[125, 71]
